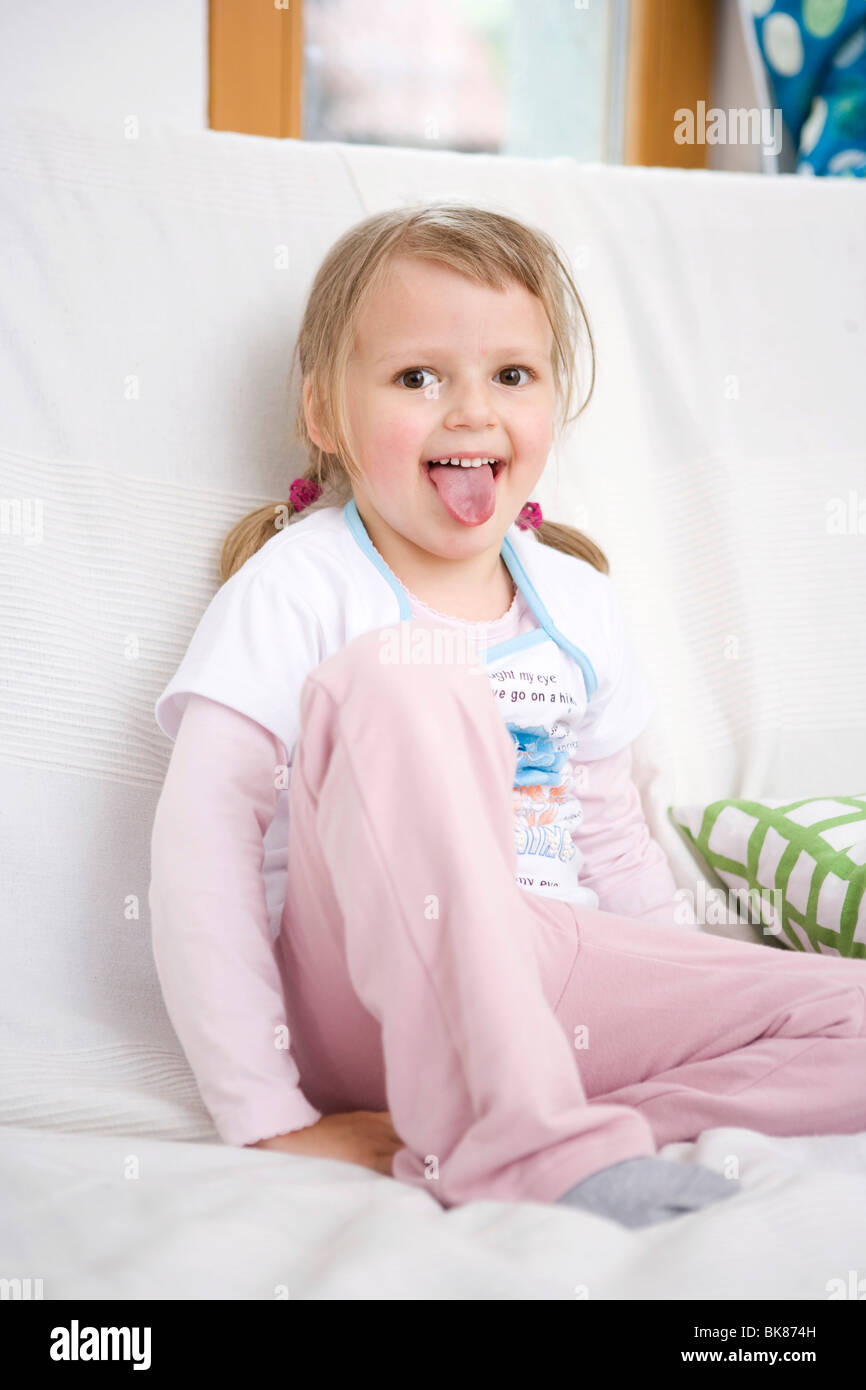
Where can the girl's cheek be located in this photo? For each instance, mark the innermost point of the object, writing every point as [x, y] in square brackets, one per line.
[535, 425]
[398, 439]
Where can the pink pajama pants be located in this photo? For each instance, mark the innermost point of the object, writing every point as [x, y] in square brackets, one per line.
[520, 1043]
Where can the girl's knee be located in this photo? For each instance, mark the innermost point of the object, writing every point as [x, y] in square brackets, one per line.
[837, 1014]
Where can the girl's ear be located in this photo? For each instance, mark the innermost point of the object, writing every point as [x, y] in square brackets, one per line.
[310, 416]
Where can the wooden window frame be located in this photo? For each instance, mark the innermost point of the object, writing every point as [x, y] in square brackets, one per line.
[669, 66]
[255, 67]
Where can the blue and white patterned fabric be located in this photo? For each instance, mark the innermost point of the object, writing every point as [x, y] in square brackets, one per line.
[815, 55]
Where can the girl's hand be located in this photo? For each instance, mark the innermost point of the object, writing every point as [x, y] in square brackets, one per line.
[366, 1137]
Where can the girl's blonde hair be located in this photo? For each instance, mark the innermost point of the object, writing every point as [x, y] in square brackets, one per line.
[486, 246]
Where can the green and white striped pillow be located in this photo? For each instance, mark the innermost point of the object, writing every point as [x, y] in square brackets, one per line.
[798, 867]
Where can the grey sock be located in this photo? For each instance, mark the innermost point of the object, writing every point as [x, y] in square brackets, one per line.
[642, 1191]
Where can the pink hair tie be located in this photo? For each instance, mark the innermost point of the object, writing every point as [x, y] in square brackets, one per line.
[302, 492]
[530, 515]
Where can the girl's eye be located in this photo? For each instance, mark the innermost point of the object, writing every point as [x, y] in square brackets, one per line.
[419, 372]
[532, 375]
[414, 371]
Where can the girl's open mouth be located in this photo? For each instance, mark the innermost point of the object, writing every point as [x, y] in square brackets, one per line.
[496, 463]
[466, 487]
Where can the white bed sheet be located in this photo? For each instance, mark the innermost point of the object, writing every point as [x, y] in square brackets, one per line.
[102, 1217]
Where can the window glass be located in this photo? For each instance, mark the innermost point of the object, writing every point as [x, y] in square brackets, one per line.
[479, 76]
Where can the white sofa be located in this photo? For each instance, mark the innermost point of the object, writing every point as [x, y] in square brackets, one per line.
[151, 293]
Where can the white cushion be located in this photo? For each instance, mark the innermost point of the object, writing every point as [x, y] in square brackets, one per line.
[796, 867]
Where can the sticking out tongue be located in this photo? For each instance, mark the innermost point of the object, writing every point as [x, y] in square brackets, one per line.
[468, 494]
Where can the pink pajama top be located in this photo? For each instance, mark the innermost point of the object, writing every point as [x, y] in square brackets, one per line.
[213, 941]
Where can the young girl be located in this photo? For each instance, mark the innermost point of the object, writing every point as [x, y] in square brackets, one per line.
[406, 910]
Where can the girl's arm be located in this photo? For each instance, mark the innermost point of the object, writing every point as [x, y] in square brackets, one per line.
[212, 939]
[623, 864]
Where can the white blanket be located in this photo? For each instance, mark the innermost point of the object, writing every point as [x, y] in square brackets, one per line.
[102, 1217]
[151, 294]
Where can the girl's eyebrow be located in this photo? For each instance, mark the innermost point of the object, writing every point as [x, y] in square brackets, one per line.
[419, 353]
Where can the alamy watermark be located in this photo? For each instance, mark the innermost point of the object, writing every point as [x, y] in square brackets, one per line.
[744, 125]
[411, 644]
[22, 516]
[21, 1290]
[718, 907]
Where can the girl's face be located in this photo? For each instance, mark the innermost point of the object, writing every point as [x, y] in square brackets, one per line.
[444, 367]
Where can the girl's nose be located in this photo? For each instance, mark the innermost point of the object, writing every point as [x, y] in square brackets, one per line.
[470, 405]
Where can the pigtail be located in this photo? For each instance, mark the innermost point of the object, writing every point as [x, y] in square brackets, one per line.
[573, 542]
[253, 530]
